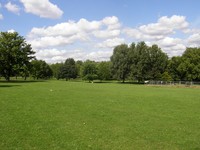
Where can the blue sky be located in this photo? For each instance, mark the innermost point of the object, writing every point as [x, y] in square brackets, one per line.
[90, 29]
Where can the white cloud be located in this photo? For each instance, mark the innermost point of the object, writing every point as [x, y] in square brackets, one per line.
[156, 31]
[57, 55]
[159, 33]
[194, 40]
[12, 8]
[95, 40]
[169, 42]
[111, 22]
[89, 36]
[172, 46]
[111, 43]
[112, 28]
[11, 31]
[99, 55]
[106, 33]
[69, 32]
[42, 8]
[1, 17]
[66, 29]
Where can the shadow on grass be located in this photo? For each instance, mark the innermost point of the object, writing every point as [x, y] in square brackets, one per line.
[114, 82]
[22, 81]
[7, 86]
[140, 83]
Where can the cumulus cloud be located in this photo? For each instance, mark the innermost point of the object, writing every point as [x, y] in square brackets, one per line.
[66, 29]
[194, 40]
[53, 43]
[99, 55]
[112, 28]
[172, 46]
[69, 32]
[12, 8]
[157, 31]
[160, 33]
[42, 8]
[51, 55]
[95, 40]
[111, 43]
[60, 55]
[106, 33]
[111, 22]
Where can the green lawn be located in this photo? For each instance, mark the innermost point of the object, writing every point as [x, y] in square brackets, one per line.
[78, 115]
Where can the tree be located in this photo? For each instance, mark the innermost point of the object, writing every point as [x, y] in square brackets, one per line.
[158, 62]
[120, 62]
[79, 65]
[147, 62]
[68, 69]
[56, 70]
[89, 70]
[174, 69]
[191, 64]
[166, 76]
[41, 70]
[104, 70]
[138, 56]
[15, 54]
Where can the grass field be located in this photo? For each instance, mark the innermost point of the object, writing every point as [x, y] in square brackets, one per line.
[78, 115]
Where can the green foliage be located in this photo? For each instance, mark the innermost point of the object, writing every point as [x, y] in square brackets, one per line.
[174, 69]
[68, 70]
[79, 65]
[147, 63]
[56, 69]
[191, 64]
[139, 62]
[15, 55]
[166, 76]
[120, 62]
[41, 70]
[89, 70]
[186, 67]
[104, 70]
[90, 77]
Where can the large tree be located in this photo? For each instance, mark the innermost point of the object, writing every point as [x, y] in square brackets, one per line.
[190, 64]
[41, 70]
[104, 70]
[89, 70]
[56, 70]
[147, 62]
[175, 69]
[68, 70]
[120, 62]
[15, 54]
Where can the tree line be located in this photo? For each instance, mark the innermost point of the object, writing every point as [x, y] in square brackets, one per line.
[135, 62]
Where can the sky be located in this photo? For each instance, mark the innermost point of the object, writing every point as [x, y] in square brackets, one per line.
[90, 29]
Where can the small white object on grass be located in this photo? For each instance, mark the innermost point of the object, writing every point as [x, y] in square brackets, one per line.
[51, 90]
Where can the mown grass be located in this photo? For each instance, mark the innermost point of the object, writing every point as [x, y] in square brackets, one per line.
[78, 115]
